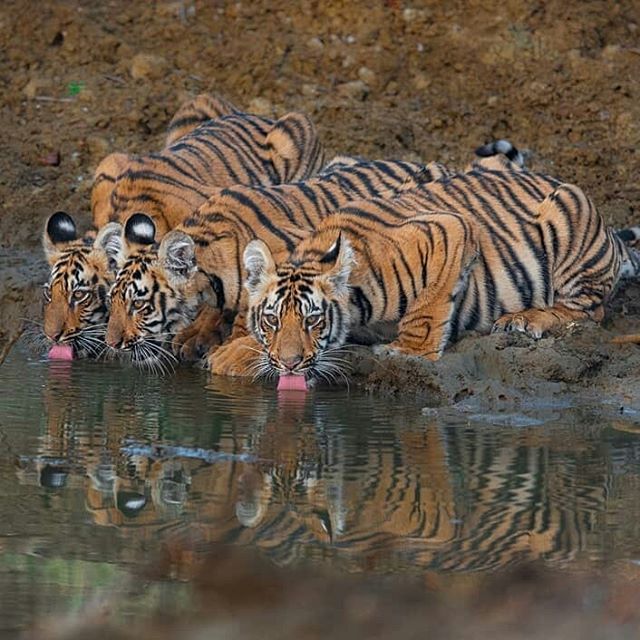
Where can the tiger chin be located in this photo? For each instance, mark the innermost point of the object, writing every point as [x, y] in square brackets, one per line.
[75, 294]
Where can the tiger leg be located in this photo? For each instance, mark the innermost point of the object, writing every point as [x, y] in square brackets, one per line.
[206, 332]
[240, 357]
[194, 112]
[632, 338]
[449, 249]
[536, 322]
[104, 182]
[583, 264]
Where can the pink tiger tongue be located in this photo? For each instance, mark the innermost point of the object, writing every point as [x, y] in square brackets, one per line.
[60, 352]
[292, 383]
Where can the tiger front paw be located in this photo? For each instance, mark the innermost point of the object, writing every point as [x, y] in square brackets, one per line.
[529, 322]
[239, 358]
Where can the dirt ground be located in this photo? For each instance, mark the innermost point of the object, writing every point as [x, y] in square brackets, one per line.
[390, 78]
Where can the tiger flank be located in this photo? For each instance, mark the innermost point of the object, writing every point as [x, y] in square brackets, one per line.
[490, 249]
[210, 144]
[160, 287]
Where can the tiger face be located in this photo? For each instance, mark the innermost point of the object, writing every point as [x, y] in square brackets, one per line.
[155, 295]
[299, 310]
[75, 295]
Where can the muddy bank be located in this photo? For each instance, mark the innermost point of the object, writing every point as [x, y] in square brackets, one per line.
[390, 79]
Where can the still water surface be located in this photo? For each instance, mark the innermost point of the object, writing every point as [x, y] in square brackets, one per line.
[102, 466]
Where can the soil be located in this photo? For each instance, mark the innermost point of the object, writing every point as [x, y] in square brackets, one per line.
[429, 80]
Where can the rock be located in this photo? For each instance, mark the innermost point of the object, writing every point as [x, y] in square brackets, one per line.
[147, 66]
[261, 107]
[315, 43]
[50, 159]
[366, 75]
[356, 90]
[35, 87]
[98, 147]
[310, 90]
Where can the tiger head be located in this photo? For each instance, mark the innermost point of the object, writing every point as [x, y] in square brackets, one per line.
[299, 310]
[156, 293]
[75, 295]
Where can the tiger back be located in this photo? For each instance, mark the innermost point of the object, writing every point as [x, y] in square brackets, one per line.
[210, 144]
[495, 247]
[201, 261]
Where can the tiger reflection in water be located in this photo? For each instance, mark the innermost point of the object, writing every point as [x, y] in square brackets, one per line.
[424, 497]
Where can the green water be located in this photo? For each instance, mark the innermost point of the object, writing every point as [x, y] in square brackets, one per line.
[102, 467]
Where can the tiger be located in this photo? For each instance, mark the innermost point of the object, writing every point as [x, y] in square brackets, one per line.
[498, 248]
[161, 286]
[210, 144]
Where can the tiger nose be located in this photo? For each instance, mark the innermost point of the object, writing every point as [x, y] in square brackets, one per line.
[55, 336]
[292, 362]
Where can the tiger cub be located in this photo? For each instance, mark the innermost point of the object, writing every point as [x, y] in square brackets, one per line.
[160, 286]
[495, 249]
[210, 144]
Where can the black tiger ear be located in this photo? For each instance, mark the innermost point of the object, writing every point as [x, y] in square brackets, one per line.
[140, 229]
[59, 231]
[177, 254]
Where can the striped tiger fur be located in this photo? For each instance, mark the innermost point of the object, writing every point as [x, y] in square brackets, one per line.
[160, 287]
[210, 144]
[497, 248]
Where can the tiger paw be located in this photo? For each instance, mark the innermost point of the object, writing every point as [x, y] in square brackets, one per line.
[238, 358]
[397, 349]
[531, 322]
[204, 333]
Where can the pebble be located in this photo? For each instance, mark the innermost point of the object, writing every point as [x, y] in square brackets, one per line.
[261, 107]
[357, 90]
[366, 75]
[51, 159]
[147, 66]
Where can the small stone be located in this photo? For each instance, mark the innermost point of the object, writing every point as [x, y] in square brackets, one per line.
[147, 66]
[261, 107]
[315, 43]
[35, 87]
[310, 90]
[98, 146]
[421, 82]
[492, 101]
[610, 52]
[50, 159]
[366, 75]
[357, 90]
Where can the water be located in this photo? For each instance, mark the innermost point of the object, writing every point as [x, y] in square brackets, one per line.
[103, 467]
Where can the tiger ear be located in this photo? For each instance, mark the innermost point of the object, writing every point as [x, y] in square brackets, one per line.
[177, 255]
[259, 264]
[296, 151]
[109, 240]
[140, 229]
[59, 231]
[341, 258]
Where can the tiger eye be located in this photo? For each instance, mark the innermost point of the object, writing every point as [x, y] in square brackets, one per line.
[271, 320]
[138, 304]
[313, 321]
[79, 295]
